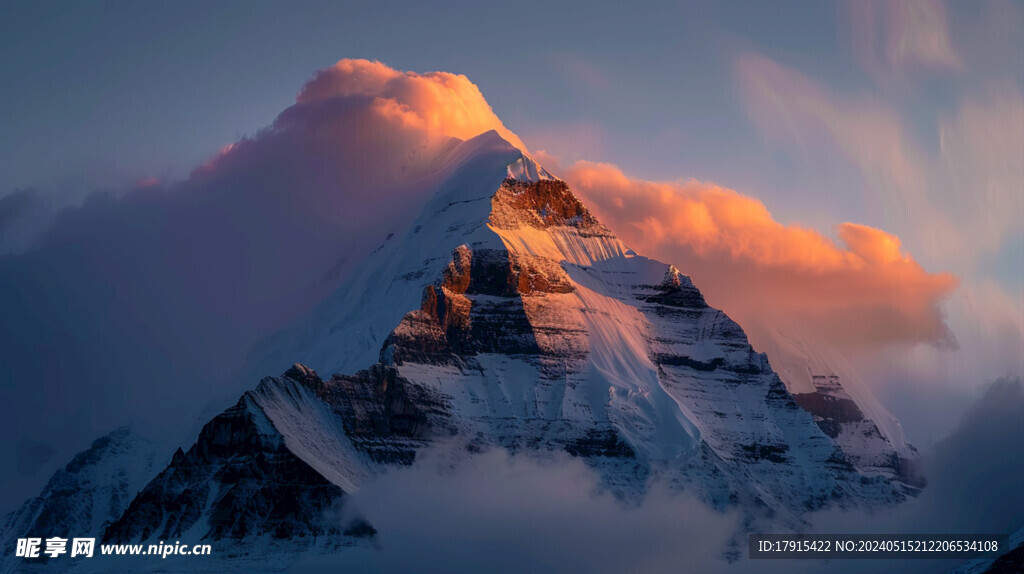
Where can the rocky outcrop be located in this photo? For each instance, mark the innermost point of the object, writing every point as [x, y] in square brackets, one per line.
[838, 416]
[541, 204]
[501, 273]
[676, 291]
[385, 415]
[831, 407]
[476, 307]
[238, 480]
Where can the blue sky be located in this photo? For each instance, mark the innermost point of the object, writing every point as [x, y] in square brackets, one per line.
[650, 88]
[101, 94]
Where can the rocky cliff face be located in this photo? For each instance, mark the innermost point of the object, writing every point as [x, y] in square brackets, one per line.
[839, 416]
[238, 480]
[508, 316]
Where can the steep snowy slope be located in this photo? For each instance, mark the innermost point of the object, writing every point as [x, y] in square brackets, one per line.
[828, 387]
[251, 473]
[345, 332]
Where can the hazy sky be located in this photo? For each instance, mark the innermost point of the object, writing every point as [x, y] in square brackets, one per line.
[100, 94]
[904, 116]
[99, 91]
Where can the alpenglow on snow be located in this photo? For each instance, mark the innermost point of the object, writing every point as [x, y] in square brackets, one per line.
[509, 316]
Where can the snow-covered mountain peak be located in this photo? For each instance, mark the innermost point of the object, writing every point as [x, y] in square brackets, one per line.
[673, 277]
[520, 166]
[508, 316]
[525, 169]
[508, 300]
[505, 260]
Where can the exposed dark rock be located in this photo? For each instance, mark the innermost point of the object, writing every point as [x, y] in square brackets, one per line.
[540, 204]
[418, 339]
[769, 452]
[378, 403]
[681, 361]
[539, 275]
[677, 290]
[603, 443]
[500, 273]
[477, 308]
[829, 408]
[457, 273]
[240, 476]
[305, 375]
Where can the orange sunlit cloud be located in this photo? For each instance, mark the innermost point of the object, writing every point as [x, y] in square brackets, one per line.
[439, 102]
[862, 289]
[370, 130]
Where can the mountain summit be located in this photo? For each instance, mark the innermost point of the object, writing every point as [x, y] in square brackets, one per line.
[509, 316]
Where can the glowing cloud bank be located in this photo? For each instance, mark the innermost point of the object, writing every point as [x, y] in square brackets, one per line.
[863, 289]
[438, 102]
